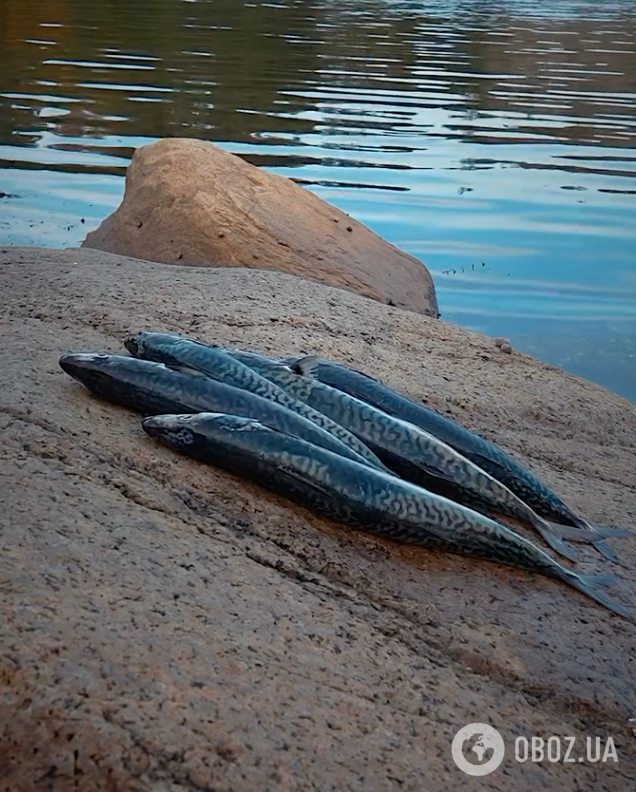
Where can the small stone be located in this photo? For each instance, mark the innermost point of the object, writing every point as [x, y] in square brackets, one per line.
[505, 347]
[499, 342]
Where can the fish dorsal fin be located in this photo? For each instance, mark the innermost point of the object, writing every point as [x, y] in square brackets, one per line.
[307, 366]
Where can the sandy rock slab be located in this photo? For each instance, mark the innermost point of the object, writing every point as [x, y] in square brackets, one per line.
[168, 627]
[190, 202]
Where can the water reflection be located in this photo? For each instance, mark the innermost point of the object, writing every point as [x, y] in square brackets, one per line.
[495, 140]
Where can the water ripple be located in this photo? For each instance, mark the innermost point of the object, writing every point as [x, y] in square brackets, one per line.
[493, 140]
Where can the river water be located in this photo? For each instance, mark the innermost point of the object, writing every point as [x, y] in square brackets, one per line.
[495, 140]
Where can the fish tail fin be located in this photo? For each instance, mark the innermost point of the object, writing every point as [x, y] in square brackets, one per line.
[553, 538]
[590, 585]
[306, 366]
[591, 535]
[605, 550]
[609, 533]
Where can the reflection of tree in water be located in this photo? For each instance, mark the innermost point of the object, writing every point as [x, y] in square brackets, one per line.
[231, 71]
[212, 60]
[575, 66]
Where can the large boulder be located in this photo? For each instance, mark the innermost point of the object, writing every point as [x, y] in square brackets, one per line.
[167, 627]
[190, 202]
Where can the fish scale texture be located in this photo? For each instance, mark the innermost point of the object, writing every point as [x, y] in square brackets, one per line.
[168, 627]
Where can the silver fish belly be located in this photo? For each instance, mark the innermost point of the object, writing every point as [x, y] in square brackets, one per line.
[358, 494]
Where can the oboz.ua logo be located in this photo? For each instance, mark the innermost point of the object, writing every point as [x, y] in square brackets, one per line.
[478, 749]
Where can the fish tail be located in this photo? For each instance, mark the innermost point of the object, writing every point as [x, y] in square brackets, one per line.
[552, 537]
[593, 533]
[590, 585]
[605, 550]
[612, 533]
[604, 533]
[609, 533]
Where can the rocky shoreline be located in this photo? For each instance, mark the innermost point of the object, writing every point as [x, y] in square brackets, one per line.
[166, 626]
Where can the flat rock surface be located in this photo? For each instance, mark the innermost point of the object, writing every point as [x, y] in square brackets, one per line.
[190, 202]
[166, 626]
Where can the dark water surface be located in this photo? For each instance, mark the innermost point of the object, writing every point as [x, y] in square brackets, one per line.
[494, 140]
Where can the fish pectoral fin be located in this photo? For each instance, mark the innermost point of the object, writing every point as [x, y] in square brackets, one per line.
[367, 376]
[436, 473]
[464, 448]
[306, 481]
[186, 370]
[307, 366]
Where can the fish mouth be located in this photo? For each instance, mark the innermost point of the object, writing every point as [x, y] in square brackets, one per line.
[77, 365]
[68, 364]
[152, 427]
[133, 345]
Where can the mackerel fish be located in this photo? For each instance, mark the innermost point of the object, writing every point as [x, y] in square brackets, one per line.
[360, 495]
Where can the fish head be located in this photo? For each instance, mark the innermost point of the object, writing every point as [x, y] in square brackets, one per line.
[160, 347]
[191, 433]
[105, 375]
[134, 344]
[176, 431]
[88, 368]
[144, 343]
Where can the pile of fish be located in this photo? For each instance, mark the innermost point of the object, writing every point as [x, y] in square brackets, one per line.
[337, 440]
